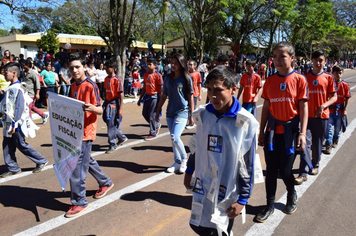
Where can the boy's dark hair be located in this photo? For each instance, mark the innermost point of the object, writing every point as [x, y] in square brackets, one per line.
[77, 56]
[28, 62]
[338, 68]
[222, 58]
[40, 53]
[13, 66]
[319, 53]
[286, 45]
[251, 63]
[223, 73]
[152, 60]
[110, 63]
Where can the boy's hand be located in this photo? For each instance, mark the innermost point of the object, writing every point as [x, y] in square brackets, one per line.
[234, 210]
[139, 102]
[191, 121]
[157, 117]
[187, 179]
[255, 100]
[301, 142]
[87, 107]
[344, 113]
[199, 98]
[319, 111]
[261, 139]
[120, 113]
[12, 131]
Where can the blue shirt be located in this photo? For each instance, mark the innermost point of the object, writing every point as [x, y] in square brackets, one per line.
[176, 90]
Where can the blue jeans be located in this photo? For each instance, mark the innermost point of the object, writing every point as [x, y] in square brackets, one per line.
[176, 126]
[65, 89]
[333, 128]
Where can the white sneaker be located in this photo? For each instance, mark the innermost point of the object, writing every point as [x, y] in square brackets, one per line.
[183, 166]
[173, 168]
[190, 126]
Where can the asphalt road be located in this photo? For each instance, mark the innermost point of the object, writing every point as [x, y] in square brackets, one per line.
[147, 201]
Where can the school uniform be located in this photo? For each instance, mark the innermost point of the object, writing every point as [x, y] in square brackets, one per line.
[196, 79]
[321, 86]
[113, 89]
[336, 110]
[88, 92]
[153, 84]
[284, 94]
[250, 82]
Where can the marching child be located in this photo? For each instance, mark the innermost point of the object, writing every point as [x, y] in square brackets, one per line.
[113, 103]
[84, 89]
[222, 184]
[338, 110]
[17, 123]
[251, 85]
[150, 94]
[284, 108]
[196, 78]
[322, 94]
[136, 81]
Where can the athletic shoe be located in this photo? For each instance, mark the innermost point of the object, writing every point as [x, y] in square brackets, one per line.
[335, 143]
[175, 167]
[190, 126]
[103, 191]
[315, 171]
[75, 211]
[150, 137]
[264, 214]
[39, 167]
[111, 149]
[328, 149]
[291, 205]
[122, 142]
[9, 173]
[45, 119]
[300, 179]
[158, 129]
[183, 166]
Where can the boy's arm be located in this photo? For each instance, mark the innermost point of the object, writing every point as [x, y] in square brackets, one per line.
[191, 107]
[162, 100]
[346, 106]
[199, 91]
[189, 171]
[303, 116]
[20, 107]
[143, 91]
[121, 103]
[258, 94]
[328, 103]
[88, 107]
[264, 117]
[240, 91]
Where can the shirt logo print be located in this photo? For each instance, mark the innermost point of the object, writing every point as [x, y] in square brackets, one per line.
[315, 82]
[283, 86]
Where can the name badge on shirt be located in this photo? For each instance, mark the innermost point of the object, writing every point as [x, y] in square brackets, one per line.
[215, 143]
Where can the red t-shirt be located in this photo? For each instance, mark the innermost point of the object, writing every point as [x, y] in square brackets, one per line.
[251, 83]
[153, 82]
[113, 87]
[343, 91]
[196, 79]
[320, 88]
[284, 93]
[88, 92]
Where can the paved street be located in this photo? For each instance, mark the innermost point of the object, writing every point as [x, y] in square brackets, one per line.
[147, 201]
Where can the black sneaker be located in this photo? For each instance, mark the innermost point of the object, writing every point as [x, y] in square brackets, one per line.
[39, 167]
[264, 214]
[335, 143]
[111, 149]
[122, 142]
[291, 205]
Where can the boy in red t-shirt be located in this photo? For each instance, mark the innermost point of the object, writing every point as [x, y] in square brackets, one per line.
[150, 93]
[112, 114]
[196, 79]
[84, 89]
[338, 110]
[251, 85]
[322, 94]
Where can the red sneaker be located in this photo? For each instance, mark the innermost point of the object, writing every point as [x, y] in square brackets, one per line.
[75, 211]
[102, 191]
[148, 138]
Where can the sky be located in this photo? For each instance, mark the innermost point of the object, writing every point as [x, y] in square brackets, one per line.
[9, 20]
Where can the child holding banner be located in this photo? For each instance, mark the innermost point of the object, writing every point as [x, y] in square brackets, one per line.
[87, 91]
[17, 124]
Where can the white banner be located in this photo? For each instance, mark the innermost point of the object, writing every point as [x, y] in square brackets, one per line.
[67, 129]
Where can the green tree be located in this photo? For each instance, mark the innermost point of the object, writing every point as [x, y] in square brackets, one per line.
[48, 41]
[4, 32]
[36, 20]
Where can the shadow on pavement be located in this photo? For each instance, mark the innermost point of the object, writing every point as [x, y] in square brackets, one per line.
[31, 198]
[133, 167]
[169, 199]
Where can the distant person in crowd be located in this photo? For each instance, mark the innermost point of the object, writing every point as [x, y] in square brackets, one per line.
[6, 58]
[64, 78]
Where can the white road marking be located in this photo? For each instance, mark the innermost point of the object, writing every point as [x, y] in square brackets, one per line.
[273, 221]
[61, 220]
